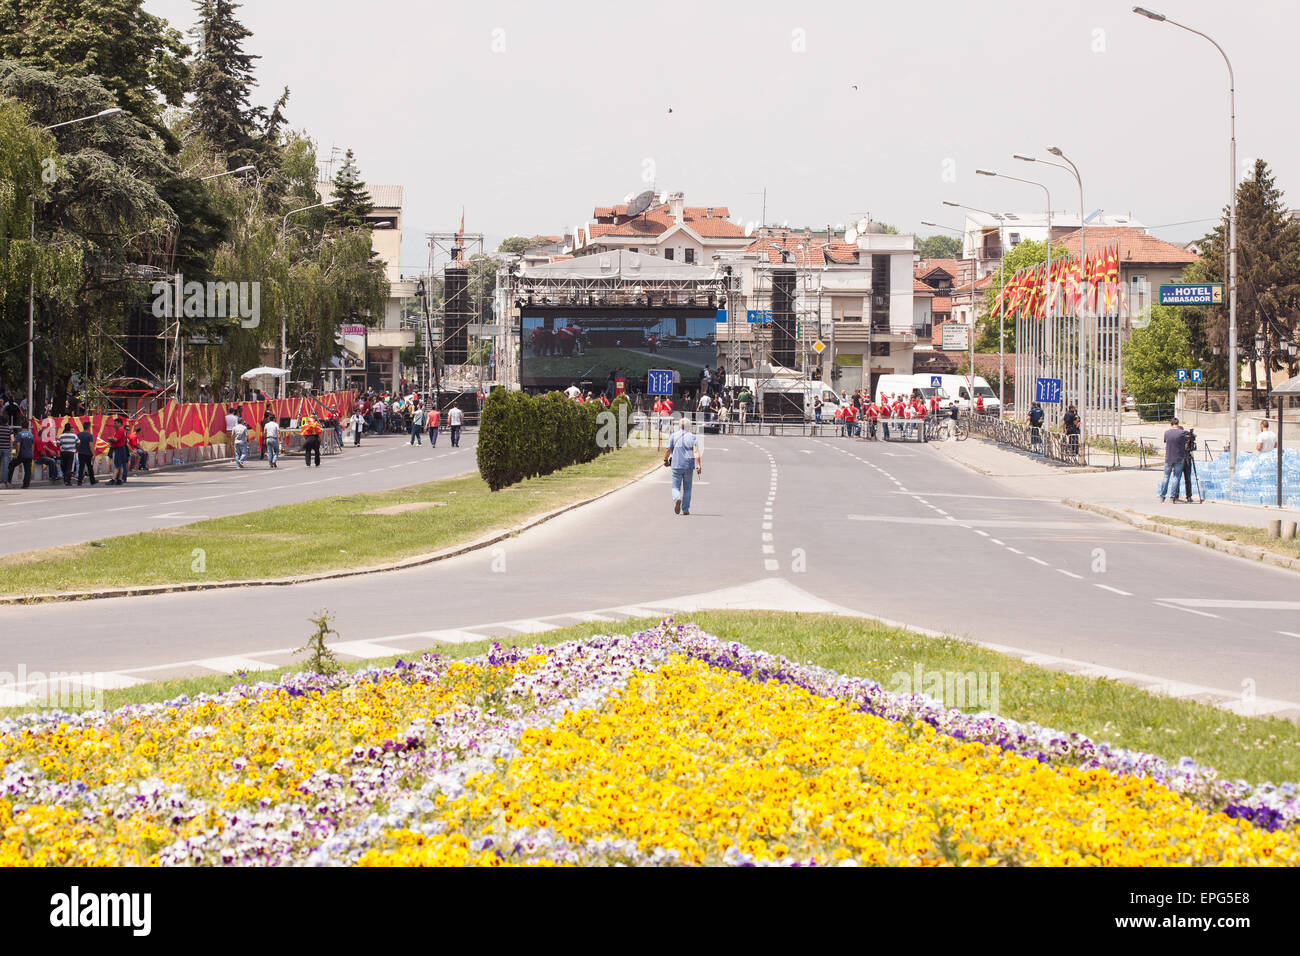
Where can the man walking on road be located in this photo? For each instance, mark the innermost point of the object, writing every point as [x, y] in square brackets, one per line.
[85, 454]
[241, 442]
[271, 439]
[417, 425]
[358, 423]
[685, 456]
[1175, 448]
[454, 417]
[311, 432]
[25, 448]
[433, 420]
[67, 452]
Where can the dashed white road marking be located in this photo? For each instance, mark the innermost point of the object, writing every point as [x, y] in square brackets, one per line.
[1189, 610]
[1038, 560]
[1289, 634]
[1070, 574]
[1107, 587]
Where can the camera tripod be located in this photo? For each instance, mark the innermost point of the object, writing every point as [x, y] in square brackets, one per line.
[1190, 461]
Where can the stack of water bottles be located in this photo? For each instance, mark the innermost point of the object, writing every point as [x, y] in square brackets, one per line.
[1256, 482]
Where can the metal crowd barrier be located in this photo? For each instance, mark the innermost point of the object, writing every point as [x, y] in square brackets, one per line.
[1067, 449]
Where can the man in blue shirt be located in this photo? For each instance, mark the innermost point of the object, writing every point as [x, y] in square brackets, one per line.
[1175, 449]
[685, 456]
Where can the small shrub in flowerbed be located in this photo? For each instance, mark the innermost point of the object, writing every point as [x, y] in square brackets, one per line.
[662, 747]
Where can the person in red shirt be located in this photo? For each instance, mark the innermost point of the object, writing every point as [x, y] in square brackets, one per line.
[139, 458]
[850, 421]
[872, 414]
[117, 451]
[979, 404]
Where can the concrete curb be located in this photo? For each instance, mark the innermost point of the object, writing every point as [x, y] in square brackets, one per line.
[414, 561]
[1233, 548]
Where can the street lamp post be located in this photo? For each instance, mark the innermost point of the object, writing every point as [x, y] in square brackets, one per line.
[974, 277]
[1232, 237]
[229, 172]
[1083, 342]
[284, 326]
[31, 281]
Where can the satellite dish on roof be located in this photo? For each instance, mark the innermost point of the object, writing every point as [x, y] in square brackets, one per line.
[863, 223]
[749, 229]
[640, 203]
[662, 198]
[851, 235]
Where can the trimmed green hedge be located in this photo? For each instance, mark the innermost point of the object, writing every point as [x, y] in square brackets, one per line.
[522, 437]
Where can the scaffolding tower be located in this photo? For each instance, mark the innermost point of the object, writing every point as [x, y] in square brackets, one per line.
[455, 322]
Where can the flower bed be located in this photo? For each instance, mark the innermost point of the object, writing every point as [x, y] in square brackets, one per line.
[665, 746]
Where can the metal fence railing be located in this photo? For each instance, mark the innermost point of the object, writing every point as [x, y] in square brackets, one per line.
[1054, 446]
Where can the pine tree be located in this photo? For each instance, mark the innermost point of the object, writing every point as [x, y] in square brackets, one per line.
[222, 77]
[1268, 272]
[351, 203]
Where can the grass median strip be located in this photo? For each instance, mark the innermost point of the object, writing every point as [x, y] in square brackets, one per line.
[1257, 749]
[1241, 534]
[315, 536]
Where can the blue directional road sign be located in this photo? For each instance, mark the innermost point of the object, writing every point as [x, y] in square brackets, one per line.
[659, 381]
[1182, 375]
[758, 315]
[1048, 390]
[722, 316]
[1196, 375]
[936, 381]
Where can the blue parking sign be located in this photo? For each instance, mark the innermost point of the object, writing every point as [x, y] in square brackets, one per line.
[1182, 375]
[1196, 375]
[659, 381]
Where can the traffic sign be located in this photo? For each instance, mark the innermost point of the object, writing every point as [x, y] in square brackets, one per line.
[722, 316]
[936, 381]
[819, 346]
[758, 315]
[1196, 375]
[1181, 293]
[1182, 375]
[1048, 390]
[659, 381]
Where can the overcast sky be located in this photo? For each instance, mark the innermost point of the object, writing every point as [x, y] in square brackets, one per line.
[529, 114]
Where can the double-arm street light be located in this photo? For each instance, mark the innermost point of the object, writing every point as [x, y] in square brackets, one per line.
[31, 283]
[1232, 236]
[229, 172]
[284, 325]
[1001, 328]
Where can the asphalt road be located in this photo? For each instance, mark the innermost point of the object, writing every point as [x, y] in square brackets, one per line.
[46, 515]
[886, 530]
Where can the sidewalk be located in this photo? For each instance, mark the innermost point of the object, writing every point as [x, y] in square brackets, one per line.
[1124, 489]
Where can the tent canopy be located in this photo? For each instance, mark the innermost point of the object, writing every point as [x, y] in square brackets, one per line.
[265, 370]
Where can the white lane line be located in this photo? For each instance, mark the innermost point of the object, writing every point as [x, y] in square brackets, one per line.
[1070, 574]
[1107, 587]
[997, 542]
[366, 649]
[1189, 610]
[373, 470]
[1289, 634]
[1239, 605]
[767, 526]
[979, 532]
[1014, 550]
[228, 665]
[1038, 560]
[771, 565]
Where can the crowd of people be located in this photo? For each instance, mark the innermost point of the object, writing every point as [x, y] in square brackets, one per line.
[70, 454]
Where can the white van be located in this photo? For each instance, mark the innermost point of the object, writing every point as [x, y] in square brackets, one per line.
[958, 388]
[908, 385]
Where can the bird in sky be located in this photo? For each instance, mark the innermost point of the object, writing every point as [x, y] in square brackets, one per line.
[855, 86]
